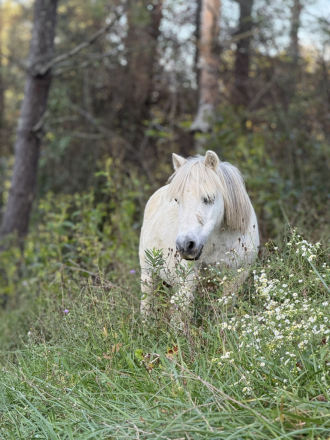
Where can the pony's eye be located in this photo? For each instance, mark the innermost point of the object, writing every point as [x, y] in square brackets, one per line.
[176, 200]
[208, 200]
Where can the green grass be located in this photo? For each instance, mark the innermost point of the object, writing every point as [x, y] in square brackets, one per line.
[98, 372]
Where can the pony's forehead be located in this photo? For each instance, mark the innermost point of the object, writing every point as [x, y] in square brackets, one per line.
[227, 180]
[194, 175]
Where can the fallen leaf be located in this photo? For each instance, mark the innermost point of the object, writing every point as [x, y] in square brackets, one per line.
[320, 398]
[116, 348]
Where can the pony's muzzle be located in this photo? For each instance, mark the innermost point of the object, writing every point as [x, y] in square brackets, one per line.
[189, 249]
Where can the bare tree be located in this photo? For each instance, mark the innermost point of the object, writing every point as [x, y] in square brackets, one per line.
[198, 30]
[295, 24]
[2, 103]
[143, 20]
[29, 132]
[242, 60]
[290, 81]
[2, 88]
[207, 64]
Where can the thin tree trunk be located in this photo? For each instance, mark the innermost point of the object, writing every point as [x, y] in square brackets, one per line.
[197, 33]
[2, 92]
[21, 195]
[2, 86]
[242, 62]
[208, 65]
[295, 24]
[293, 51]
[143, 33]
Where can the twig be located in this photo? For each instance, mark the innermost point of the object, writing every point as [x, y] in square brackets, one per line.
[38, 126]
[78, 134]
[90, 58]
[42, 70]
[242, 35]
[261, 92]
[111, 135]
[108, 133]
[106, 283]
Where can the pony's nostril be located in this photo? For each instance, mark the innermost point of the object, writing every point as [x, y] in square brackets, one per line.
[190, 245]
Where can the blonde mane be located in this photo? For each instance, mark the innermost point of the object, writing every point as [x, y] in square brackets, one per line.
[227, 180]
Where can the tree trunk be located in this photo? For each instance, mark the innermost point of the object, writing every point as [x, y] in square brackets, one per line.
[293, 50]
[242, 62]
[208, 65]
[141, 41]
[22, 191]
[2, 86]
[2, 90]
[197, 33]
[295, 24]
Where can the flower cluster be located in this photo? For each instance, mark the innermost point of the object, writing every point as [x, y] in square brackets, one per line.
[282, 333]
[182, 296]
[303, 248]
[285, 317]
[289, 316]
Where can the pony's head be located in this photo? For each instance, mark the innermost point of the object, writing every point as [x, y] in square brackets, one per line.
[209, 193]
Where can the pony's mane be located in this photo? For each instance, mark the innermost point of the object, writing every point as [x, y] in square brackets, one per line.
[227, 180]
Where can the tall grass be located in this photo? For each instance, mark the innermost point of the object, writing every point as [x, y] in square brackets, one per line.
[253, 368]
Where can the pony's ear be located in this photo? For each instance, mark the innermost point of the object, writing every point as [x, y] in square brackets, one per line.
[178, 161]
[212, 160]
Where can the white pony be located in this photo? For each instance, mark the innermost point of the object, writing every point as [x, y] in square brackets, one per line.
[206, 215]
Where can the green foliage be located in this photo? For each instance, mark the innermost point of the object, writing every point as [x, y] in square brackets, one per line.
[82, 234]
